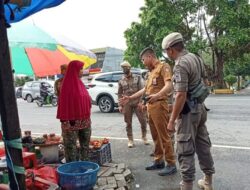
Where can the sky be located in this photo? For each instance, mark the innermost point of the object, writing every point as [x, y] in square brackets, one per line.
[91, 23]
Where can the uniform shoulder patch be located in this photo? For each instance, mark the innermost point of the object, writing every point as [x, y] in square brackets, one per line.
[177, 76]
[136, 78]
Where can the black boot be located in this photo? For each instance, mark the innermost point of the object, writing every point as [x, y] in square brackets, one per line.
[156, 166]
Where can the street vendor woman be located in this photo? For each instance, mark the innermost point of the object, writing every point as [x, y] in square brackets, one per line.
[74, 110]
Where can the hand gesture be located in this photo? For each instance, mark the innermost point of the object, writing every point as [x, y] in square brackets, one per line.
[120, 109]
[171, 127]
[152, 98]
[124, 100]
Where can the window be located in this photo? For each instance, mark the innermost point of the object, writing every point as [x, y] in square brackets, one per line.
[28, 84]
[104, 78]
[35, 84]
[116, 77]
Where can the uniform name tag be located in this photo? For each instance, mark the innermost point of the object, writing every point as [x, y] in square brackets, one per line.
[154, 81]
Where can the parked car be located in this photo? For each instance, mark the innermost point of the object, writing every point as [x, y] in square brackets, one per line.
[31, 90]
[103, 88]
[19, 92]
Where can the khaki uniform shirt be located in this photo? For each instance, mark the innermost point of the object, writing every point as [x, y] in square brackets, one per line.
[156, 79]
[57, 86]
[130, 85]
[188, 71]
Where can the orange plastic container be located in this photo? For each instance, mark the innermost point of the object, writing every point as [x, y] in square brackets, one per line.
[29, 160]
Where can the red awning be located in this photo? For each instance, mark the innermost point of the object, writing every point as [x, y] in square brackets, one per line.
[45, 62]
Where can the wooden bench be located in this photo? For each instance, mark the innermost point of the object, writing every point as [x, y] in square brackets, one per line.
[223, 91]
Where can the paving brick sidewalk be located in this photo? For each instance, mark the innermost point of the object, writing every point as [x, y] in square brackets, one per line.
[113, 176]
[136, 159]
[227, 177]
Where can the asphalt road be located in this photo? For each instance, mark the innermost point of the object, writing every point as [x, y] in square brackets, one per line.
[228, 125]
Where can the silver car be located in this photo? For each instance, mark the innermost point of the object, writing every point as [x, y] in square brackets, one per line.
[31, 90]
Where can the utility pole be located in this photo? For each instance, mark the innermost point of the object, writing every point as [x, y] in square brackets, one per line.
[9, 113]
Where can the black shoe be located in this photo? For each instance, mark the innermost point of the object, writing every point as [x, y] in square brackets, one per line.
[152, 154]
[156, 166]
[168, 170]
[207, 109]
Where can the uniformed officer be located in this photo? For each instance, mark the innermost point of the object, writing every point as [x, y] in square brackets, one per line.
[58, 82]
[128, 85]
[157, 88]
[192, 134]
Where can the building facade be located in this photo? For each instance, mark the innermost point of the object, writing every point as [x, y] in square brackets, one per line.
[108, 59]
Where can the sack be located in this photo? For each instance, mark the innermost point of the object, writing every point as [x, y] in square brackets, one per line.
[199, 93]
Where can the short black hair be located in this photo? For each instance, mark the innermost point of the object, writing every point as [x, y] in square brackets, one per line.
[147, 50]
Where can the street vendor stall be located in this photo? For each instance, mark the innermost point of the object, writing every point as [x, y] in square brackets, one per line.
[43, 162]
[8, 106]
[25, 160]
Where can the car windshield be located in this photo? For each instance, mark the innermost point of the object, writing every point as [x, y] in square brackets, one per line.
[28, 84]
[116, 77]
[104, 78]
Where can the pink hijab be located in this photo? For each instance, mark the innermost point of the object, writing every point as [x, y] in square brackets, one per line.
[74, 101]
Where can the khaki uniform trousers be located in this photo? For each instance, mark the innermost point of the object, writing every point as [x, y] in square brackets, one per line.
[158, 121]
[128, 111]
[192, 136]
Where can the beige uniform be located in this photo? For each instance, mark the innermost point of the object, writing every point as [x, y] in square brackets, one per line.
[57, 86]
[128, 86]
[192, 135]
[158, 114]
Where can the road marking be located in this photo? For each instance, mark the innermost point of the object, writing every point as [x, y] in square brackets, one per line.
[124, 138]
[215, 146]
[231, 147]
[25, 124]
[230, 99]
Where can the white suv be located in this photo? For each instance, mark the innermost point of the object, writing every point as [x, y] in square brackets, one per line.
[103, 88]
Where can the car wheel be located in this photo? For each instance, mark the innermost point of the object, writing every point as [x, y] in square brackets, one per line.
[29, 98]
[106, 104]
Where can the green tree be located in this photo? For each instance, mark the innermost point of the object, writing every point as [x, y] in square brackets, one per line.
[19, 81]
[239, 67]
[230, 79]
[220, 29]
[158, 18]
[227, 31]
